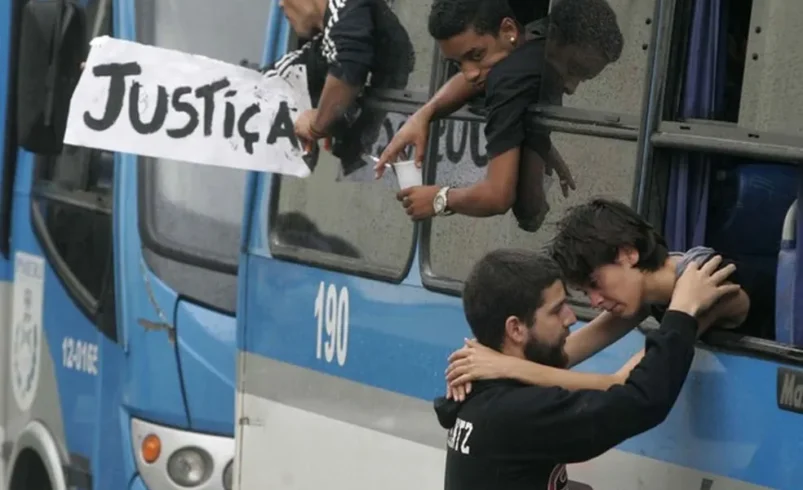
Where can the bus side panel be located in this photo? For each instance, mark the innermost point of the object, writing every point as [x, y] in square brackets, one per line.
[40, 385]
[338, 375]
[320, 398]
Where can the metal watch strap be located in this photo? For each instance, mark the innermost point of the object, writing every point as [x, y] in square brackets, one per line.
[444, 192]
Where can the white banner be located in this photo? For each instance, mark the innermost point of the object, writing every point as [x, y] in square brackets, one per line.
[156, 102]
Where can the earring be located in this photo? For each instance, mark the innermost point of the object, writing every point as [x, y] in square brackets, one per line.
[512, 40]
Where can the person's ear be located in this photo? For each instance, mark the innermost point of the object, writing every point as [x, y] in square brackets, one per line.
[627, 256]
[515, 330]
[509, 30]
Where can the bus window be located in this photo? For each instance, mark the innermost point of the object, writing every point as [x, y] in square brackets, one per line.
[72, 216]
[71, 212]
[619, 87]
[757, 59]
[410, 14]
[192, 215]
[356, 225]
[730, 62]
[601, 167]
[772, 89]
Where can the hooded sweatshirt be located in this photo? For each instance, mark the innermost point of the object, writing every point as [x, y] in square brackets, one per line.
[510, 436]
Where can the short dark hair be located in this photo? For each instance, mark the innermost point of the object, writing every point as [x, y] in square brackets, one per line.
[591, 234]
[504, 283]
[448, 18]
[587, 23]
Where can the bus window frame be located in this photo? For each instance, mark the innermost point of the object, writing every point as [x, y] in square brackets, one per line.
[332, 262]
[568, 120]
[164, 246]
[711, 135]
[169, 260]
[715, 137]
[10, 150]
[654, 132]
[99, 310]
[397, 101]
[43, 191]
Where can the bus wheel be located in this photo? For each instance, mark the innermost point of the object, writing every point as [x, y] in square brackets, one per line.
[29, 473]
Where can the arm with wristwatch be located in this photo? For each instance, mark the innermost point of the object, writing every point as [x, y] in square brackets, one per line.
[494, 195]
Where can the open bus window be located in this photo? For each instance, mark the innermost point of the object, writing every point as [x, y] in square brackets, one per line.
[601, 167]
[353, 222]
[739, 209]
[738, 61]
[735, 62]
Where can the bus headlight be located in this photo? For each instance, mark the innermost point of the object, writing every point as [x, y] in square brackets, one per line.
[189, 466]
[228, 475]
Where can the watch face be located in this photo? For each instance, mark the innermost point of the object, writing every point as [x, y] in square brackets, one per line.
[438, 204]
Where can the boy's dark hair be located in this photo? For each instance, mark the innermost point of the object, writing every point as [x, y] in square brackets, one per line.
[587, 23]
[448, 18]
[591, 234]
[504, 283]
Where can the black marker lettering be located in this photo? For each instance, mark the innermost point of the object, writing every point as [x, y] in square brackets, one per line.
[188, 109]
[207, 93]
[442, 128]
[479, 159]
[455, 155]
[114, 104]
[159, 114]
[283, 126]
[249, 137]
[228, 120]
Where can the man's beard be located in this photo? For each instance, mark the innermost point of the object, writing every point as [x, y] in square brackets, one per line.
[548, 355]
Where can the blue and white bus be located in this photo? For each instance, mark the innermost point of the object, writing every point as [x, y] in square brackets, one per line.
[118, 285]
[347, 310]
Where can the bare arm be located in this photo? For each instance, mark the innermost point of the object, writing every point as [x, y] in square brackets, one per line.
[598, 334]
[729, 312]
[450, 97]
[336, 97]
[492, 195]
[538, 374]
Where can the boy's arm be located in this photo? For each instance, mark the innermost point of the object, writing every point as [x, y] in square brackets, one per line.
[729, 312]
[598, 334]
[450, 97]
[508, 96]
[492, 195]
[541, 375]
[350, 58]
[336, 97]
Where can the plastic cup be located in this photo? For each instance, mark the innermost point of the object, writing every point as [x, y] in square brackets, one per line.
[407, 174]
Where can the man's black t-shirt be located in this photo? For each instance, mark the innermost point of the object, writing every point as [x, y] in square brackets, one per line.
[511, 86]
[362, 43]
[510, 436]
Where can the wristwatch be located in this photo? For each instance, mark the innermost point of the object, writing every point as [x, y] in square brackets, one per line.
[440, 203]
